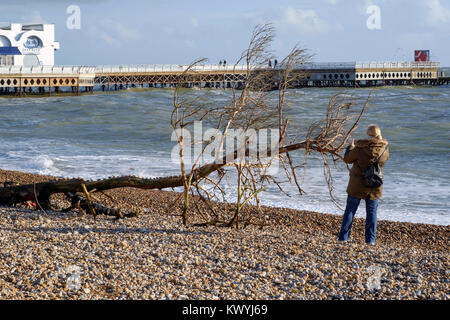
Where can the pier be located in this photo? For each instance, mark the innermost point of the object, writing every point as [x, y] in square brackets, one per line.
[20, 80]
[160, 76]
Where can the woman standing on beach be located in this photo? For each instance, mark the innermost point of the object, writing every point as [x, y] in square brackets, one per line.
[366, 152]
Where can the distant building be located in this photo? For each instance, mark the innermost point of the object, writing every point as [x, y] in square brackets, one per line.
[28, 45]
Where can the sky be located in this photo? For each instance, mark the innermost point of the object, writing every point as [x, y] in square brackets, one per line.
[114, 32]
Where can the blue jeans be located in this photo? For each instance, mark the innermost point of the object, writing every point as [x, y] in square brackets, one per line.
[349, 214]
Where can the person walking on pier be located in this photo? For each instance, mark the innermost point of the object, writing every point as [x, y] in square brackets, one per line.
[220, 62]
[270, 63]
[362, 155]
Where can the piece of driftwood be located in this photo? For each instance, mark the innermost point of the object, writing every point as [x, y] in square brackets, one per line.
[15, 194]
[80, 203]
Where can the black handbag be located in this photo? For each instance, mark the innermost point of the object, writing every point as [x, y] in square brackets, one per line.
[373, 177]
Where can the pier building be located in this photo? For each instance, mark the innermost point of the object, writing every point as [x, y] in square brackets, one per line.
[27, 45]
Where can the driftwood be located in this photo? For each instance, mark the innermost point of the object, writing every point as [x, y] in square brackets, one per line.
[41, 192]
[85, 205]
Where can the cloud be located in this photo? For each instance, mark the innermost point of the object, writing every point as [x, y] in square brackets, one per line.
[113, 33]
[33, 18]
[382, 4]
[123, 32]
[305, 22]
[194, 22]
[97, 33]
[190, 43]
[169, 30]
[108, 39]
[436, 13]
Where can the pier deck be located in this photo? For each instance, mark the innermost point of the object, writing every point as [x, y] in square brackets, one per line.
[20, 80]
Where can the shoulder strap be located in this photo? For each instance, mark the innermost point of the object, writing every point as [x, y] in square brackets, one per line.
[381, 155]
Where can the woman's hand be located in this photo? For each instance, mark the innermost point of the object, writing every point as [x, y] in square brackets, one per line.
[352, 144]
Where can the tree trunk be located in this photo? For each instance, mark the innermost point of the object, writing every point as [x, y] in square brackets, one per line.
[42, 191]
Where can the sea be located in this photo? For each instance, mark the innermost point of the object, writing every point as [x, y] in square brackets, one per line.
[128, 132]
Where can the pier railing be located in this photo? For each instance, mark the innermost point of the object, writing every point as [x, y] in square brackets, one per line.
[168, 68]
[47, 70]
[171, 68]
[369, 65]
[387, 65]
[328, 65]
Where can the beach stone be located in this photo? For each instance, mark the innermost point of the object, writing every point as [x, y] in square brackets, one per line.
[154, 257]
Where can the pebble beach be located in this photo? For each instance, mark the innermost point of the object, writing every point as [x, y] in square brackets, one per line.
[293, 255]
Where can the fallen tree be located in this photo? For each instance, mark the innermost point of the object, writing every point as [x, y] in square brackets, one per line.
[42, 191]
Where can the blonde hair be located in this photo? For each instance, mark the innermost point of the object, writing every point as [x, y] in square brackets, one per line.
[374, 131]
